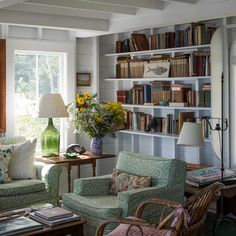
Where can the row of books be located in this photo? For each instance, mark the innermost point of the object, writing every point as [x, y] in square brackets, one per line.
[169, 125]
[201, 177]
[205, 95]
[194, 64]
[136, 42]
[194, 34]
[145, 122]
[162, 91]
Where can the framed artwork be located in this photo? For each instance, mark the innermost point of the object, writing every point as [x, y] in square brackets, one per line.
[83, 79]
[156, 69]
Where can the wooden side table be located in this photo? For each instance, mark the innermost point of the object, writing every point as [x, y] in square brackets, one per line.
[86, 158]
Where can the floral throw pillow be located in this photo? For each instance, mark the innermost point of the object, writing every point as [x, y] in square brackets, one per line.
[122, 181]
[5, 157]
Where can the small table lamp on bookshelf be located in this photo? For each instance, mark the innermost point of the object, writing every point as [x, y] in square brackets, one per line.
[51, 106]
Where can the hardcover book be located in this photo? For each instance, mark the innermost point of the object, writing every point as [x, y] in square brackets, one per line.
[54, 222]
[140, 42]
[18, 225]
[54, 213]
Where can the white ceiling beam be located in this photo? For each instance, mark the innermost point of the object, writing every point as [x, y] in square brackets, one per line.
[149, 4]
[183, 1]
[7, 3]
[30, 7]
[52, 21]
[86, 6]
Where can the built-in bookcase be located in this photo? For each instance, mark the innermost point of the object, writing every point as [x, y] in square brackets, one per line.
[155, 143]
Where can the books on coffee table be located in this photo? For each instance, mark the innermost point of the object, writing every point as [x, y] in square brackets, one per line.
[54, 213]
[54, 216]
[18, 225]
[74, 217]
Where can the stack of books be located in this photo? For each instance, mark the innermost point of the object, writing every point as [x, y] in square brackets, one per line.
[14, 226]
[205, 176]
[54, 216]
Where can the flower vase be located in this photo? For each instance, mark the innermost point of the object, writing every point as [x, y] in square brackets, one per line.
[96, 146]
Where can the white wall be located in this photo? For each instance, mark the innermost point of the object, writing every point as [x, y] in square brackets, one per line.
[85, 57]
[107, 93]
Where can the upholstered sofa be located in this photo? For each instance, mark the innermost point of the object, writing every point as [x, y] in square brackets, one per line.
[30, 192]
[93, 201]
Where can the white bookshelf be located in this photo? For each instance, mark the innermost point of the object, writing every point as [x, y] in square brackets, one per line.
[160, 51]
[167, 107]
[185, 79]
[160, 144]
[152, 134]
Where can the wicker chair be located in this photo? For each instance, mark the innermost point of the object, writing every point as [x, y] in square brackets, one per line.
[186, 219]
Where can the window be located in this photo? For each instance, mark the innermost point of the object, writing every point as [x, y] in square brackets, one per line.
[37, 73]
[30, 50]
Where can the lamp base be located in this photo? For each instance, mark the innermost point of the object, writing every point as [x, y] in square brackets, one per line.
[50, 140]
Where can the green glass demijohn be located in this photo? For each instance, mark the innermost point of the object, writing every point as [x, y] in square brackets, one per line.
[50, 140]
[51, 106]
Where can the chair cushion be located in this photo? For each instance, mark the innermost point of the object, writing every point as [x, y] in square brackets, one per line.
[102, 207]
[22, 163]
[5, 158]
[18, 187]
[123, 181]
[145, 165]
[136, 231]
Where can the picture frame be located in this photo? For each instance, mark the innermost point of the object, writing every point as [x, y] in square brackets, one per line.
[156, 69]
[83, 79]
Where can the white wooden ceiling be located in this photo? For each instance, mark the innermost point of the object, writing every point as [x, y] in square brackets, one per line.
[96, 17]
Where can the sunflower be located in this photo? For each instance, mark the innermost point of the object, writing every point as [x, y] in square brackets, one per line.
[87, 95]
[80, 100]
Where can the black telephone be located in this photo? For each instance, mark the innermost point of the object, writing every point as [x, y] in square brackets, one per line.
[75, 148]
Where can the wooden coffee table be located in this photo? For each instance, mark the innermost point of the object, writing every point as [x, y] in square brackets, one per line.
[75, 228]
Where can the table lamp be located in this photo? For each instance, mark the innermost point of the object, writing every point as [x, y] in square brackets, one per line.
[191, 135]
[51, 106]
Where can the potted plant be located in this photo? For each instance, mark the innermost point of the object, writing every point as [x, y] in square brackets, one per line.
[94, 119]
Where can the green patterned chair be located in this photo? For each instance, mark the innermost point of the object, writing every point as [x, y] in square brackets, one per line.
[93, 201]
[30, 192]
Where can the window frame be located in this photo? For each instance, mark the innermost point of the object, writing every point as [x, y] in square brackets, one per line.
[13, 45]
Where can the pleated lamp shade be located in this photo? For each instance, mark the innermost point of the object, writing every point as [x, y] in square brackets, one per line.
[51, 105]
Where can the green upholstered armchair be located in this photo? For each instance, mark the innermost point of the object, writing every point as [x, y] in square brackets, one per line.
[93, 201]
[30, 192]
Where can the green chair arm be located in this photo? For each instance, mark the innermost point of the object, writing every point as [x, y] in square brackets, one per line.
[49, 174]
[93, 186]
[130, 200]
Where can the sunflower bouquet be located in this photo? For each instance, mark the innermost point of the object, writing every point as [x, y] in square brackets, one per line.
[93, 118]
